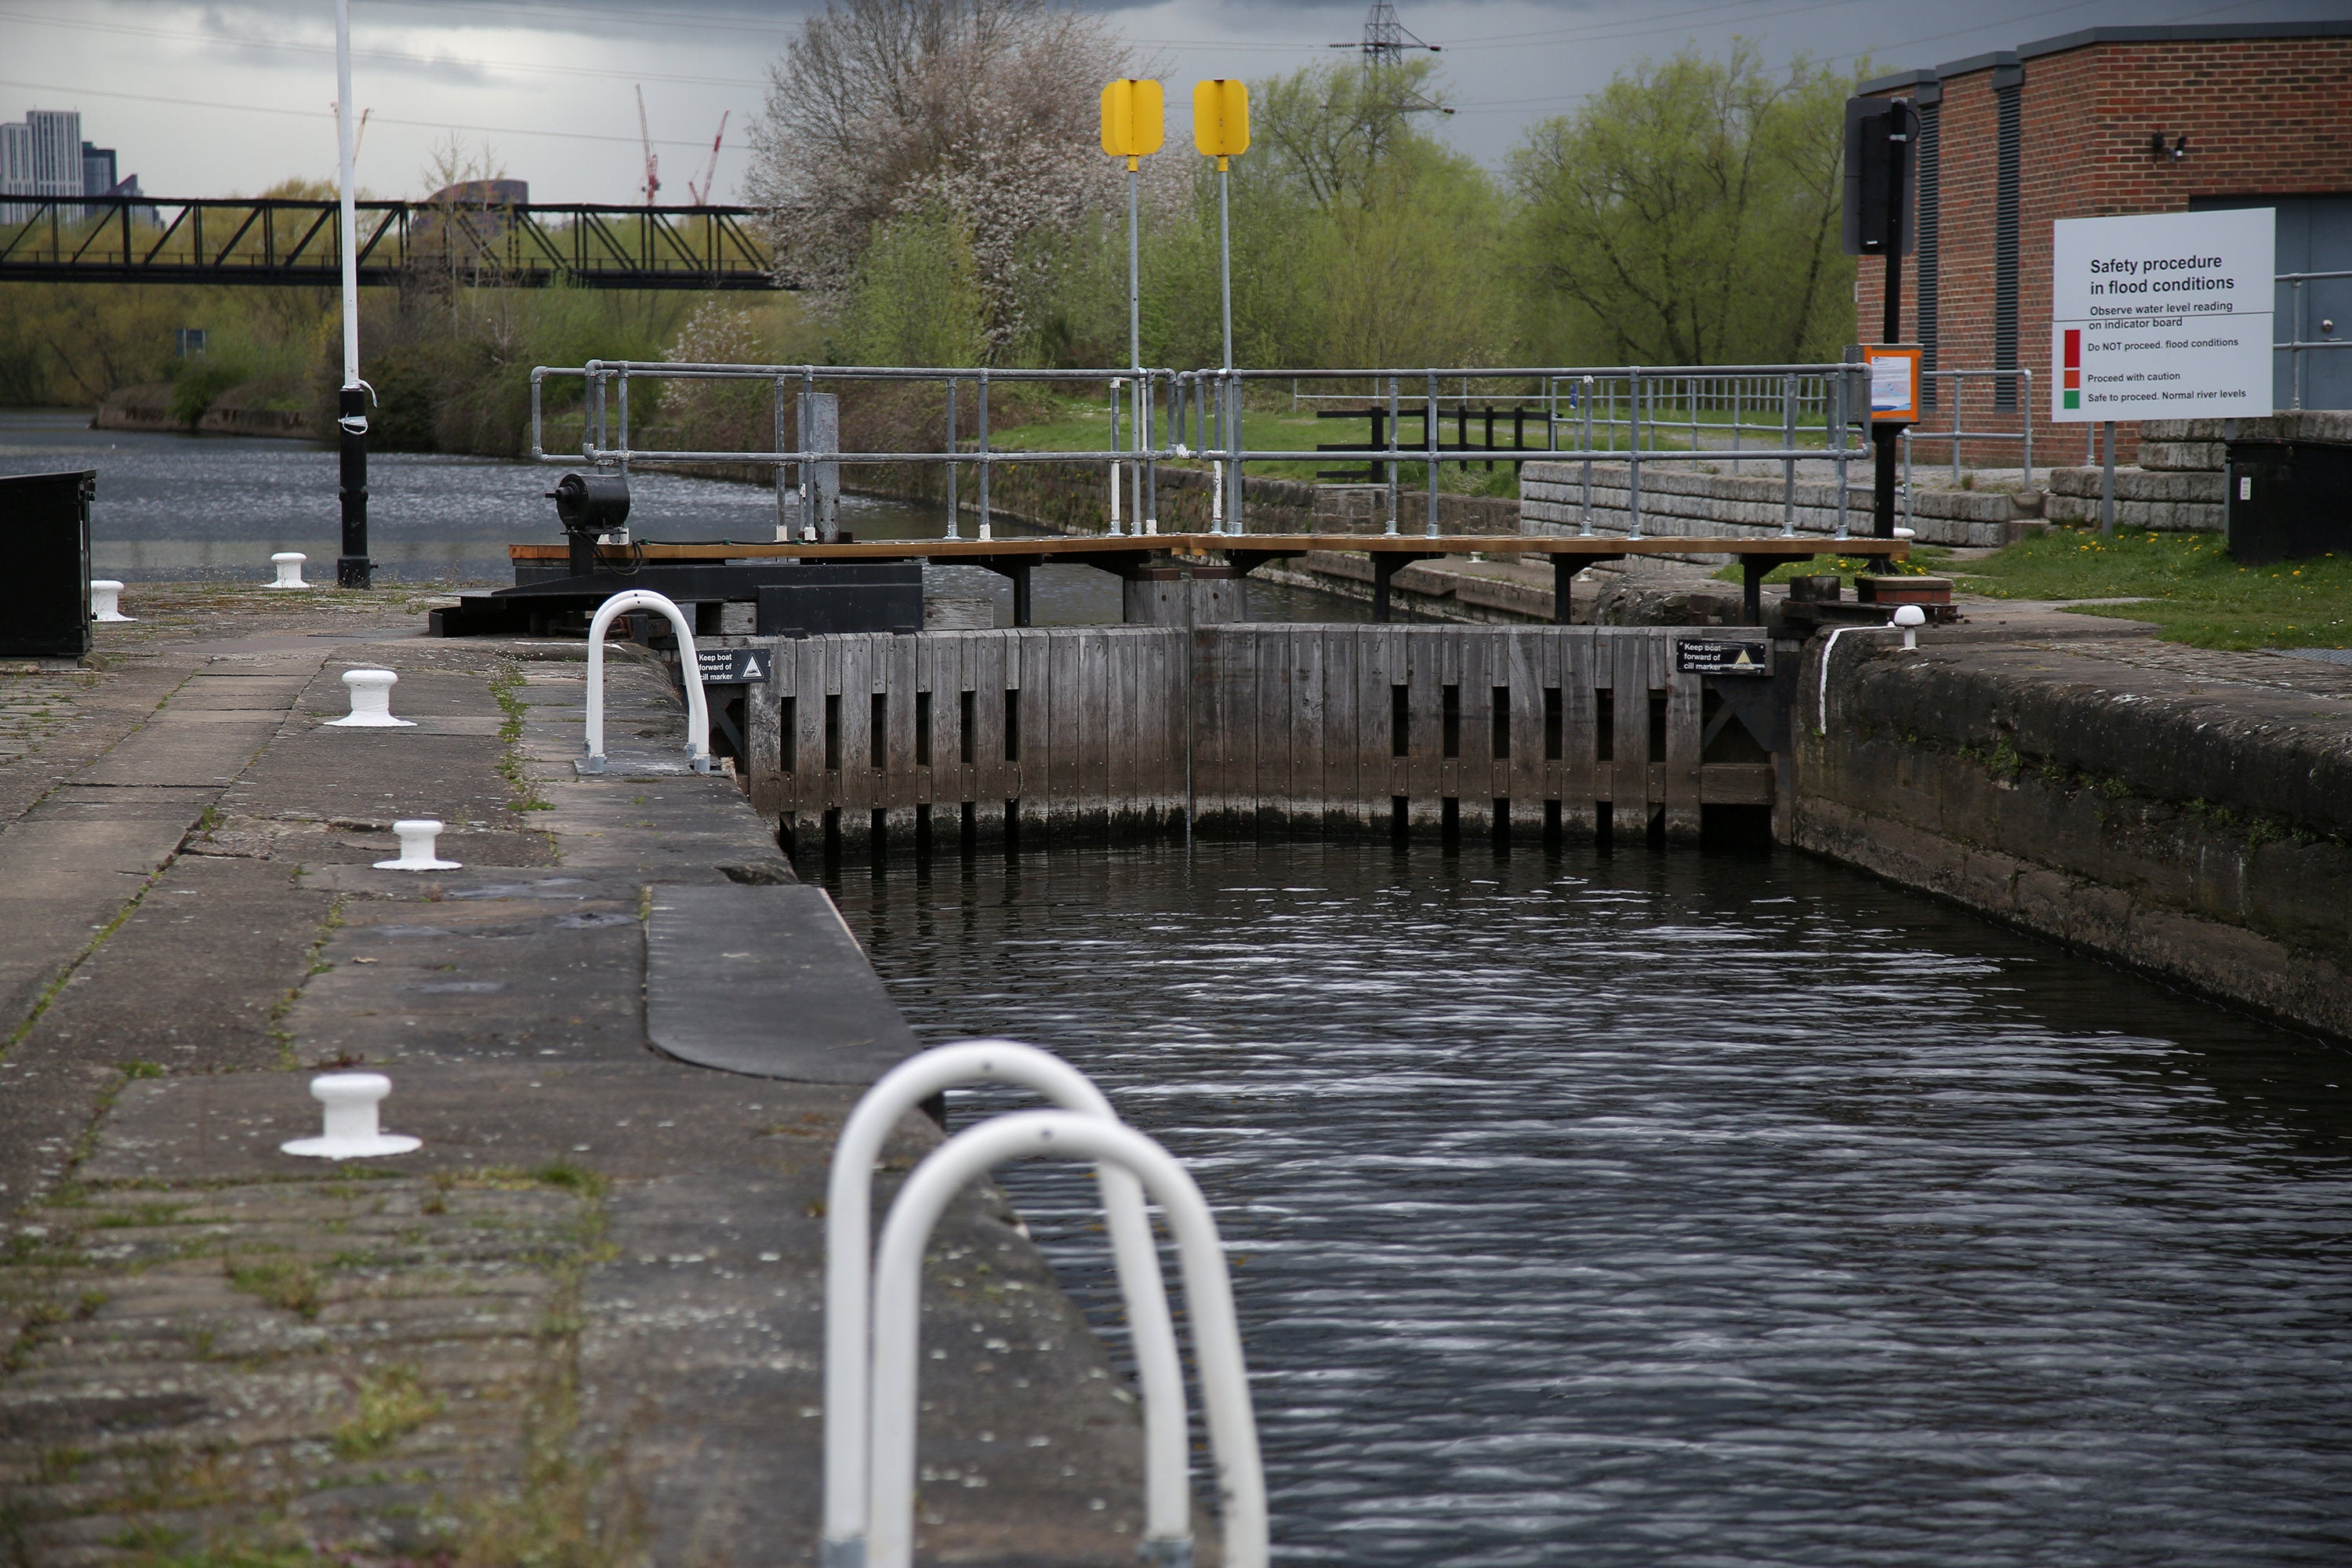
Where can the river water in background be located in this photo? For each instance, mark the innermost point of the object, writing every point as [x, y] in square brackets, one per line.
[174, 508]
[1676, 1208]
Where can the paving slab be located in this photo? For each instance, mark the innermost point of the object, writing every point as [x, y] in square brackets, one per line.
[583, 1321]
[767, 981]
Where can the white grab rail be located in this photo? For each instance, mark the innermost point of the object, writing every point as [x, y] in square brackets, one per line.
[698, 708]
[1208, 1294]
[848, 1239]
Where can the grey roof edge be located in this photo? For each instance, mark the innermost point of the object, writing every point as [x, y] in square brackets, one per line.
[2189, 32]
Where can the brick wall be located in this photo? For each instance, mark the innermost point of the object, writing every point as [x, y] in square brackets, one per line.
[2264, 116]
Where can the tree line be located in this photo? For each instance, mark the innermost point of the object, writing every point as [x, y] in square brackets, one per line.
[932, 174]
[932, 180]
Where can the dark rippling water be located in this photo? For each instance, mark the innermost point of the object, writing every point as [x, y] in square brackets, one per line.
[1681, 1209]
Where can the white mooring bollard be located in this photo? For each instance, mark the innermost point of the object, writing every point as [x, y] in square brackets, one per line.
[370, 701]
[106, 600]
[416, 853]
[352, 1132]
[1910, 617]
[289, 569]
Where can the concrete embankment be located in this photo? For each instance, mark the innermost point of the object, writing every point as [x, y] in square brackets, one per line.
[150, 407]
[2185, 812]
[582, 1322]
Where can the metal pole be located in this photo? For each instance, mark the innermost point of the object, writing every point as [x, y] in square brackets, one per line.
[985, 530]
[1788, 464]
[353, 568]
[1584, 397]
[1429, 440]
[954, 517]
[1134, 346]
[1233, 447]
[2028, 376]
[1634, 453]
[783, 444]
[1115, 475]
[1395, 499]
[1844, 440]
[1225, 253]
[2107, 477]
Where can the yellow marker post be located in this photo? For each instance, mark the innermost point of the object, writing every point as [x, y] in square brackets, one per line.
[1133, 126]
[1221, 130]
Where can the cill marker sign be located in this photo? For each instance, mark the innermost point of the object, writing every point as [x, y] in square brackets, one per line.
[2166, 316]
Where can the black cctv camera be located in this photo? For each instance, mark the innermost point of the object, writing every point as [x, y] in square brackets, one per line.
[2174, 152]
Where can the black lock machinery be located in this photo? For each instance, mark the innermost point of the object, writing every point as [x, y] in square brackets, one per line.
[590, 506]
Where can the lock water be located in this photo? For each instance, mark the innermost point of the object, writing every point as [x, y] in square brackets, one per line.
[174, 508]
[1651, 1208]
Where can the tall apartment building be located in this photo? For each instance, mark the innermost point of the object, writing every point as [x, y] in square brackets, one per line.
[43, 154]
[2116, 120]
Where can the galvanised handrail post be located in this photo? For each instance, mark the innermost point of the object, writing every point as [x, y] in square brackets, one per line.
[1207, 1299]
[1844, 385]
[1788, 464]
[985, 532]
[1396, 494]
[698, 710]
[2027, 376]
[1115, 475]
[1587, 400]
[848, 1264]
[1429, 440]
[1633, 450]
[783, 490]
[953, 516]
[804, 417]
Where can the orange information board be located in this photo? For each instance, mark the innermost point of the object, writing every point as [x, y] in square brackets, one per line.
[1893, 383]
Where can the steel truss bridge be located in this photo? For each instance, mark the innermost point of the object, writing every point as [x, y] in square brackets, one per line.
[279, 242]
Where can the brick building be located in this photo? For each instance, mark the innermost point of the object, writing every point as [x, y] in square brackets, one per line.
[2066, 127]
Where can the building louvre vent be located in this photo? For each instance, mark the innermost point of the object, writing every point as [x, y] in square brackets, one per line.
[1931, 119]
[2008, 154]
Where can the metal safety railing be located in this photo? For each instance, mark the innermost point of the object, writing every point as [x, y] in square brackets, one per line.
[2299, 322]
[697, 708]
[1958, 434]
[1636, 415]
[874, 1306]
[1168, 1510]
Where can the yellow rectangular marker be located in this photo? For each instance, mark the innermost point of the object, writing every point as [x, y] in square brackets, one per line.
[1133, 120]
[1221, 118]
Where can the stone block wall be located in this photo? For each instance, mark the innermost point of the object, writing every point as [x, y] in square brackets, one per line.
[1677, 500]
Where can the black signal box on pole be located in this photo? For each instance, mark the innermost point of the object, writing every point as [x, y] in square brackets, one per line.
[1880, 133]
[1879, 136]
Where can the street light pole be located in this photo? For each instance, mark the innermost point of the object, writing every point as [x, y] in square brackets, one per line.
[353, 568]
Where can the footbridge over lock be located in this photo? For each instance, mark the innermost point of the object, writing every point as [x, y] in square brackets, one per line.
[930, 739]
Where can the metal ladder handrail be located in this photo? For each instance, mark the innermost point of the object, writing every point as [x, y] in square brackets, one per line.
[698, 706]
[848, 1208]
[1208, 1294]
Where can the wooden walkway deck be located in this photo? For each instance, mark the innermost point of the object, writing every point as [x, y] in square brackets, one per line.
[1127, 554]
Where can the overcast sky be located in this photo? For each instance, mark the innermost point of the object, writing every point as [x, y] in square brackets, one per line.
[225, 98]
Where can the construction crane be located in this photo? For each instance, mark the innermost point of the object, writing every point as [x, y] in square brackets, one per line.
[701, 197]
[653, 164]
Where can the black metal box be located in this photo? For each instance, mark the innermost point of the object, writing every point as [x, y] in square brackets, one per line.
[2288, 499]
[865, 597]
[45, 533]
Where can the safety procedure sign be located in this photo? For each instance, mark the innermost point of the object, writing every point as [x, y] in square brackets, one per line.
[2166, 316]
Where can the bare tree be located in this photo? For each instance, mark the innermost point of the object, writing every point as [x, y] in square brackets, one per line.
[881, 109]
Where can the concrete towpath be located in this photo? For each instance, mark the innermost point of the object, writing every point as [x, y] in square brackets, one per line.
[581, 1325]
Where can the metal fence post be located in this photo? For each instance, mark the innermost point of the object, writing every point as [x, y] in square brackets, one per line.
[1789, 463]
[1396, 499]
[984, 531]
[1634, 451]
[1586, 399]
[1429, 440]
[955, 516]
